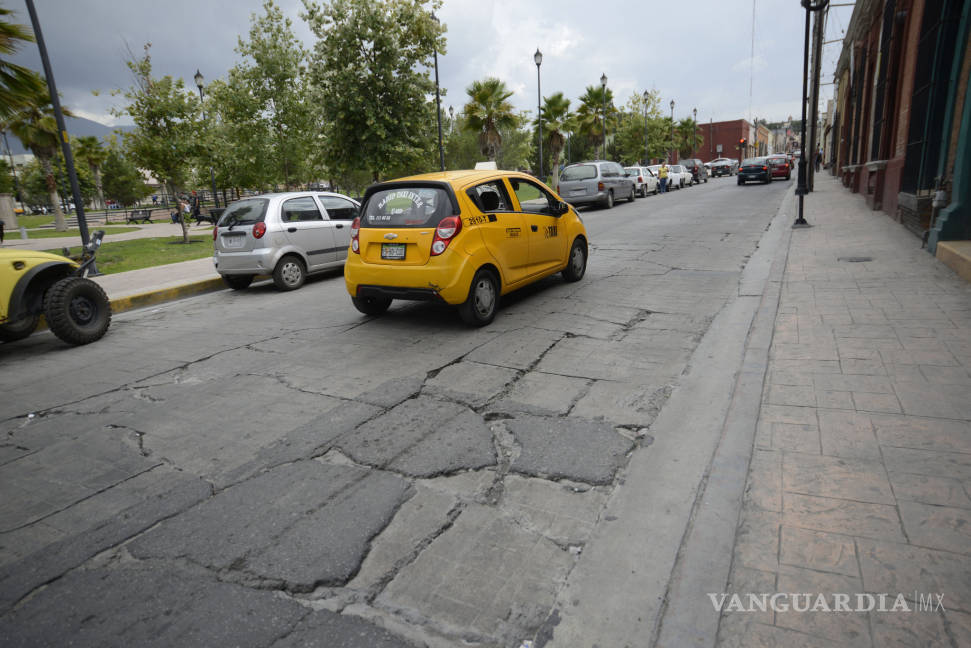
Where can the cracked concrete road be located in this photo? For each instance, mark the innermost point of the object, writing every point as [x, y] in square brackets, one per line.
[263, 469]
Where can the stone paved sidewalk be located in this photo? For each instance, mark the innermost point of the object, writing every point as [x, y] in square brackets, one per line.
[861, 472]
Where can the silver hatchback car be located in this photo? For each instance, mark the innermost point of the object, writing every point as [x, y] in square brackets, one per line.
[599, 182]
[287, 235]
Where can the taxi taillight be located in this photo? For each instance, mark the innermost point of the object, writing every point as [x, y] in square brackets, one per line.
[355, 231]
[448, 228]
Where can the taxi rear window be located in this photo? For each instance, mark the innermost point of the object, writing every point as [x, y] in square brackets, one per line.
[405, 206]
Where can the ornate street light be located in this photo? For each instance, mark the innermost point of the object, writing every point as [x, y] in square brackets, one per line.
[603, 85]
[671, 158]
[802, 188]
[538, 59]
[212, 176]
[451, 119]
[647, 95]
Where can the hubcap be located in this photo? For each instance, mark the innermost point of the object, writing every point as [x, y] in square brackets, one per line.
[82, 310]
[291, 273]
[577, 260]
[484, 297]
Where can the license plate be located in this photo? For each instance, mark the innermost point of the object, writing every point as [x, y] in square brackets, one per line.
[392, 250]
[234, 242]
[578, 192]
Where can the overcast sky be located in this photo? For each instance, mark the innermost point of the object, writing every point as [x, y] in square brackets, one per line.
[696, 52]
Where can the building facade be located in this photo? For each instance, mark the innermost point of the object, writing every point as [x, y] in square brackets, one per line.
[721, 139]
[902, 124]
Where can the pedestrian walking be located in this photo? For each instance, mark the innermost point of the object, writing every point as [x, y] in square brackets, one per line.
[819, 159]
[195, 208]
[154, 200]
[662, 173]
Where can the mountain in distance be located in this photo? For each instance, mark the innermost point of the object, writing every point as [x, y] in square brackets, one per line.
[76, 127]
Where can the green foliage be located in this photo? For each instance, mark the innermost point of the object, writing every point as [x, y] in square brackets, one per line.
[33, 182]
[629, 141]
[123, 182]
[6, 178]
[688, 137]
[590, 116]
[488, 114]
[370, 69]
[19, 86]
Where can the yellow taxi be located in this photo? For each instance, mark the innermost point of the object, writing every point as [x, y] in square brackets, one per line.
[461, 237]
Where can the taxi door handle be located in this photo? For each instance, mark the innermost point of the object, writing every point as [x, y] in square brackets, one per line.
[340, 226]
[533, 228]
[291, 229]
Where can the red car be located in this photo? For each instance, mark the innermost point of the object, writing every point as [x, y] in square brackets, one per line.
[779, 166]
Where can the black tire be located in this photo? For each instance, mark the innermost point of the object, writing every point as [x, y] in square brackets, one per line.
[289, 273]
[609, 200]
[77, 310]
[238, 282]
[371, 305]
[576, 265]
[480, 307]
[644, 191]
[631, 197]
[13, 331]
[741, 182]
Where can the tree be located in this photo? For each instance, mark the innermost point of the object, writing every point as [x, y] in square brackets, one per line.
[6, 178]
[370, 69]
[557, 122]
[19, 86]
[89, 150]
[590, 115]
[166, 138]
[123, 182]
[688, 137]
[275, 108]
[36, 128]
[489, 112]
[630, 128]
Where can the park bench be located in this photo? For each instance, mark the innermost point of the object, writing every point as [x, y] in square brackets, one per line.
[212, 216]
[139, 215]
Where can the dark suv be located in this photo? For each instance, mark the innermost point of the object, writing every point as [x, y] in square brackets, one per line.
[699, 171]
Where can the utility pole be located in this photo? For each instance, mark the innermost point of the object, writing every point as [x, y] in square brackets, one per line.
[819, 20]
[801, 184]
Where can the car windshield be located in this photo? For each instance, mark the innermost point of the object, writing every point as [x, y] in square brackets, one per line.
[404, 206]
[633, 170]
[579, 172]
[243, 212]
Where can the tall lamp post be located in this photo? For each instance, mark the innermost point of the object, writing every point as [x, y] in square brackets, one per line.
[801, 187]
[212, 176]
[438, 108]
[694, 141]
[451, 119]
[647, 96]
[671, 158]
[538, 59]
[603, 85]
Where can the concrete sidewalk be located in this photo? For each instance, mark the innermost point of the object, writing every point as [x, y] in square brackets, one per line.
[860, 480]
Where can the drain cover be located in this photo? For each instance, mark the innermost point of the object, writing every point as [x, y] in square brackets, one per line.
[855, 259]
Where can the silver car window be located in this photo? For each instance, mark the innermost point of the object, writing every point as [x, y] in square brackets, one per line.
[579, 172]
[338, 208]
[300, 210]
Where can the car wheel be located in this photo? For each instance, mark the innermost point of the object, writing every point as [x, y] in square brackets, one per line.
[576, 266]
[740, 181]
[13, 331]
[706, 179]
[77, 310]
[643, 191]
[289, 273]
[609, 200]
[371, 305]
[632, 195]
[238, 282]
[480, 307]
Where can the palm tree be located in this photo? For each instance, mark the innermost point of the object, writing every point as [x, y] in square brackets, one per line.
[590, 115]
[90, 150]
[18, 85]
[557, 120]
[36, 127]
[688, 137]
[488, 111]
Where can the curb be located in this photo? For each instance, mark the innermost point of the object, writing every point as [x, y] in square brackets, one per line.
[152, 297]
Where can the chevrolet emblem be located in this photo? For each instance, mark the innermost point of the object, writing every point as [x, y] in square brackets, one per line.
[390, 236]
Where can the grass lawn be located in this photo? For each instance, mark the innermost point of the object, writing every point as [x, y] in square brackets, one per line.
[46, 233]
[34, 220]
[122, 256]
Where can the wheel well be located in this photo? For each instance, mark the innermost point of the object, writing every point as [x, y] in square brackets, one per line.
[28, 295]
[495, 272]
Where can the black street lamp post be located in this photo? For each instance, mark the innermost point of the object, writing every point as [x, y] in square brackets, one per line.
[694, 140]
[647, 96]
[212, 176]
[438, 109]
[603, 85]
[801, 187]
[538, 59]
[671, 158]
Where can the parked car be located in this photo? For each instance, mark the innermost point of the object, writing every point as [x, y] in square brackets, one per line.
[779, 166]
[644, 180]
[699, 172]
[287, 235]
[462, 238]
[679, 176]
[724, 167]
[598, 182]
[756, 168]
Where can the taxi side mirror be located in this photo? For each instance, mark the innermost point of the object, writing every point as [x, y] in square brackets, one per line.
[562, 208]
